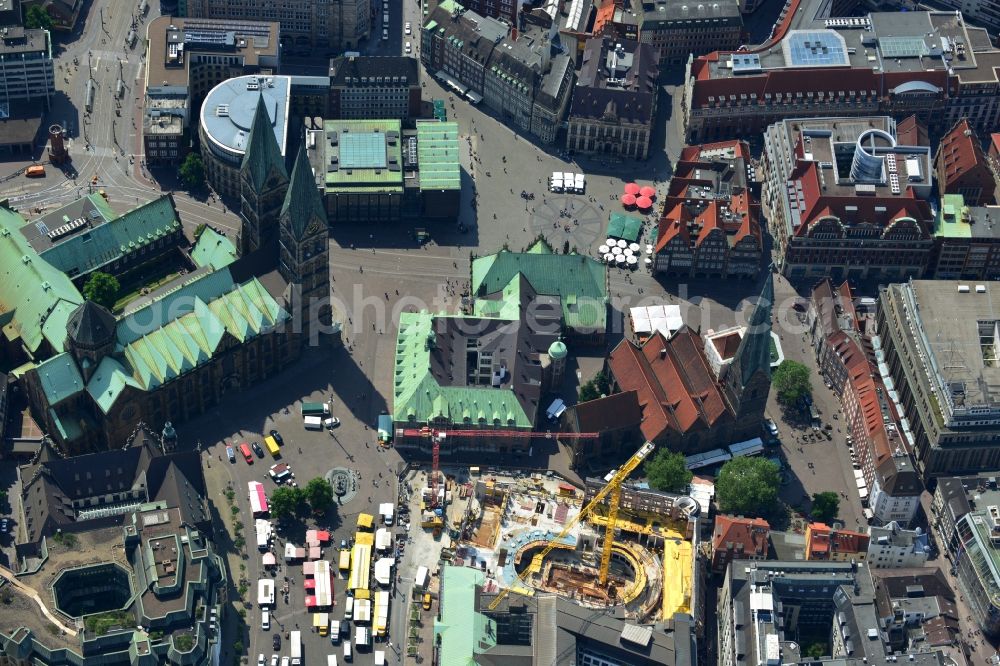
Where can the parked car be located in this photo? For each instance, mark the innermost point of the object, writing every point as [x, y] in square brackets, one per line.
[331, 422]
[407, 28]
[277, 437]
[260, 659]
[772, 427]
[409, 48]
[5, 525]
[257, 449]
[231, 454]
[276, 641]
[247, 455]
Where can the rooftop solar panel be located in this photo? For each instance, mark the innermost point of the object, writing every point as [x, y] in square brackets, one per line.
[903, 47]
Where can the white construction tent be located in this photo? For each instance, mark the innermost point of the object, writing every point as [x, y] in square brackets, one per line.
[665, 318]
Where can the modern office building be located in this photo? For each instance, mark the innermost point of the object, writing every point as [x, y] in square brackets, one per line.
[978, 562]
[374, 87]
[614, 99]
[185, 59]
[308, 27]
[710, 220]
[844, 199]
[226, 119]
[27, 73]
[776, 611]
[936, 345]
[931, 64]
[679, 29]
[373, 171]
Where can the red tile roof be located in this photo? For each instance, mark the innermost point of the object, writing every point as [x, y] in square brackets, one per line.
[960, 163]
[605, 15]
[675, 384]
[823, 540]
[751, 533]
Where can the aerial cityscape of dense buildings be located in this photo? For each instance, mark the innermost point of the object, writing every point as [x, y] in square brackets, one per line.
[288, 375]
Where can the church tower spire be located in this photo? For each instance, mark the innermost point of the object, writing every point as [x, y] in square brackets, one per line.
[263, 181]
[303, 258]
[748, 378]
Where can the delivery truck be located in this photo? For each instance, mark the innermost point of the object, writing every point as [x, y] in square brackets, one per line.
[315, 409]
[312, 422]
[265, 592]
[295, 647]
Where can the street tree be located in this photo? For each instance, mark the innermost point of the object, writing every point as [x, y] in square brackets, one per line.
[37, 17]
[101, 288]
[747, 486]
[192, 172]
[319, 494]
[285, 501]
[667, 471]
[596, 387]
[825, 506]
[791, 381]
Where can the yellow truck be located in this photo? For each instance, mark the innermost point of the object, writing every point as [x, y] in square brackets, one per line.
[272, 446]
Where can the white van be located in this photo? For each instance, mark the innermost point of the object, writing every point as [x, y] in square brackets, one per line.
[349, 609]
[347, 651]
[265, 619]
[331, 660]
[335, 631]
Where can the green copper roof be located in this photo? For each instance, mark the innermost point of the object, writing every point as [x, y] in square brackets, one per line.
[59, 378]
[579, 281]
[36, 299]
[303, 203]
[438, 155]
[213, 249]
[463, 632]
[185, 342]
[557, 350]
[108, 382]
[89, 250]
[417, 393]
[370, 147]
[263, 155]
[159, 312]
[950, 222]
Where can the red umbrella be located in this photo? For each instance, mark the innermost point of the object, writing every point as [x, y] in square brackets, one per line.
[632, 189]
[643, 202]
[648, 191]
[628, 199]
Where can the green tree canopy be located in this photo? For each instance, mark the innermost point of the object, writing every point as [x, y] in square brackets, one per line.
[285, 501]
[747, 486]
[101, 288]
[319, 494]
[192, 172]
[825, 506]
[596, 387]
[666, 471]
[37, 17]
[791, 381]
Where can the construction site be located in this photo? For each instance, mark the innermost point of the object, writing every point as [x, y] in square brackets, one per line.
[610, 544]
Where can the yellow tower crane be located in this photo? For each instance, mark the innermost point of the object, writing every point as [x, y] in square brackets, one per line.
[612, 486]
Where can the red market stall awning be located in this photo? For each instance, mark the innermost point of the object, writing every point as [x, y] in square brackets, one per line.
[648, 191]
[310, 583]
[268, 560]
[631, 188]
[323, 536]
[310, 602]
[628, 199]
[643, 202]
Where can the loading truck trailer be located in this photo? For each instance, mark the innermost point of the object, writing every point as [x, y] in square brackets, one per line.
[315, 409]
[312, 422]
